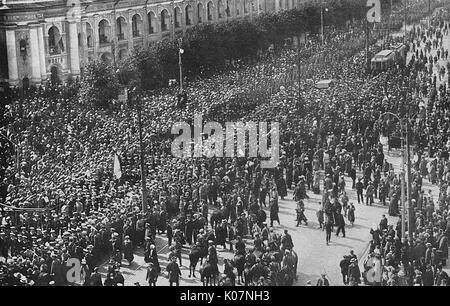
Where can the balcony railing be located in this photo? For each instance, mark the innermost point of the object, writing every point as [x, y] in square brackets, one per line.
[136, 33]
[120, 36]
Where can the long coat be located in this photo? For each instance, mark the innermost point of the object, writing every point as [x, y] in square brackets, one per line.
[443, 246]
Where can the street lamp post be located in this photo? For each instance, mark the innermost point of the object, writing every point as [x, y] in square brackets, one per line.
[321, 20]
[180, 64]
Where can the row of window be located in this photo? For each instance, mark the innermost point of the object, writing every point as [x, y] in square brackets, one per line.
[56, 44]
[136, 21]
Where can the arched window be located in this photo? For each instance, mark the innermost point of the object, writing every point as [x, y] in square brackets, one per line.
[89, 35]
[55, 43]
[238, 7]
[209, 10]
[188, 12]
[136, 23]
[164, 20]
[121, 28]
[200, 13]
[151, 22]
[228, 9]
[245, 7]
[177, 17]
[219, 9]
[103, 31]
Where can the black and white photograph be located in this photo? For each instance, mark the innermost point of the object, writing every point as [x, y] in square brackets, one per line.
[224, 147]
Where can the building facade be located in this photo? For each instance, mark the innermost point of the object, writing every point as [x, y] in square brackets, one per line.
[54, 39]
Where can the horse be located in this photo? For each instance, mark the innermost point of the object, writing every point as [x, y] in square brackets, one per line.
[194, 255]
[239, 263]
[248, 275]
[218, 215]
[208, 274]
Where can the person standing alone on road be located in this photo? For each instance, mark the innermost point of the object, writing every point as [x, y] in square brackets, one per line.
[340, 223]
[328, 229]
[344, 264]
[359, 190]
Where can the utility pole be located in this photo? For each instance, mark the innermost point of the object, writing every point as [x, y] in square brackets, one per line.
[298, 74]
[180, 64]
[389, 23]
[321, 19]
[404, 38]
[429, 13]
[402, 187]
[367, 47]
[141, 148]
[408, 193]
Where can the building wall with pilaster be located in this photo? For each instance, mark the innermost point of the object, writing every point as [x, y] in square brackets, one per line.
[72, 19]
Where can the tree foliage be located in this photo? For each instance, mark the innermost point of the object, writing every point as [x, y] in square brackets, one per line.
[99, 84]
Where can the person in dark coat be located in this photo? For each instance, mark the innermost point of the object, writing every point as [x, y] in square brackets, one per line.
[169, 234]
[128, 250]
[152, 274]
[96, 278]
[109, 281]
[57, 271]
[354, 274]
[221, 234]
[118, 277]
[274, 213]
[328, 229]
[189, 229]
[340, 223]
[281, 187]
[351, 214]
[344, 264]
[174, 272]
[323, 281]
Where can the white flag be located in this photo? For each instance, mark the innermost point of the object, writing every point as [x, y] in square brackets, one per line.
[117, 170]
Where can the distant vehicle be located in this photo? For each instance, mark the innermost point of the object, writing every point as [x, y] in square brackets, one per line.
[385, 59]
[324, 84]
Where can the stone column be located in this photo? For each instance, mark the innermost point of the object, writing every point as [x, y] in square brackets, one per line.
[96, 37]
[130, 31]
[73, 49]
[84, 45]
[145, 27]
[11, 50]
[42, 63]
[35, 61]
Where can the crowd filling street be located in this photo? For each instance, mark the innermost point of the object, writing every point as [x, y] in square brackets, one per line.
[64, 197]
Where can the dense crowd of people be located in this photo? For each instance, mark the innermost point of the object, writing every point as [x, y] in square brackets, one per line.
[63, 199]
[418, 259]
